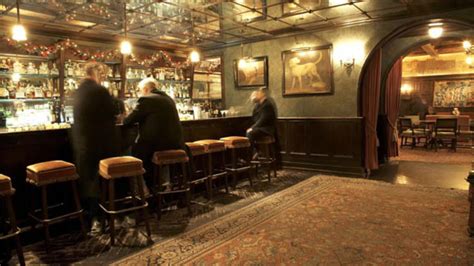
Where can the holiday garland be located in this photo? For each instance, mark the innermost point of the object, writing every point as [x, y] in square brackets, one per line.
[85, 54]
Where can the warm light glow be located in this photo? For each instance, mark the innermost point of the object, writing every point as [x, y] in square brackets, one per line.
[406, 89]
[194, 56]
[125, 47]
[18, 33]
[16, 77]
[349, 51]
[435, 32]
[242, 63]
[469, 60]
[467, 45]
[337, 2]
[106, 84]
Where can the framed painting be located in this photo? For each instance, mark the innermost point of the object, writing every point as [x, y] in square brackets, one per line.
[453, 93]
[251, 72]
[308, 71]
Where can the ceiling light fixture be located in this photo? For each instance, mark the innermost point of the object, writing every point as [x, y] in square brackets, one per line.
[194, 55]
[18, 30]
[435, 31]
[125, 45]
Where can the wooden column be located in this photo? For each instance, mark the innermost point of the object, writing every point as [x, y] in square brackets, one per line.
[123, 77]
[62, 74]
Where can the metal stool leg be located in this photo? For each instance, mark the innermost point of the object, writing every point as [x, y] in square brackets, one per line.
[226, 178]
[157, 188]
[12, 218]
[185, 186]
[111, 189]
[269, 165]
[77, 202]
[44, 206]
[139, 180]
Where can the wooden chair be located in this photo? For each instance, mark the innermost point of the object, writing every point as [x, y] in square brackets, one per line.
[170, 158]
[110, 170]
[6, 193]
[408, 131]
[446, 129]
[42, 175]
[199, 167]
[267, 156]
[216, 163]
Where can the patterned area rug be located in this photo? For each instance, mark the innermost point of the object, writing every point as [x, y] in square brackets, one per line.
[461, 156]
[329, 220]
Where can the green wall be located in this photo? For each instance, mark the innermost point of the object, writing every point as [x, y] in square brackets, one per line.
[344, 101]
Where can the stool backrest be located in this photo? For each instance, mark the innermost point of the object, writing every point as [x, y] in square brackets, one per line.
[405, 124]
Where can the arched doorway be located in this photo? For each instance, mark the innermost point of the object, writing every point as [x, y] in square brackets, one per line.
[371, 92]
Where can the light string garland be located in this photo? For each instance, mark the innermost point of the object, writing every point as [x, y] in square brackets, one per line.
[86, 54]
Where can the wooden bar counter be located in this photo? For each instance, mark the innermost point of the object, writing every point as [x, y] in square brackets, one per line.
[20, 149]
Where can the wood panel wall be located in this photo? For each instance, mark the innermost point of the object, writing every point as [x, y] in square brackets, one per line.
[325, 144]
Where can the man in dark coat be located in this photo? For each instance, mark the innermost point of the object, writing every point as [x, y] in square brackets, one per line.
[159, 124]
[94, 135]
[264, 117]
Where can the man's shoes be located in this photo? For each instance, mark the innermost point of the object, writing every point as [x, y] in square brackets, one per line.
[96, 228]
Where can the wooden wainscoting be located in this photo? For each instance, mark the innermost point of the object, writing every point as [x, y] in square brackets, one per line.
[325, 144]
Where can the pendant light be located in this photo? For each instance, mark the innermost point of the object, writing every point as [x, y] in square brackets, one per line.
[18, 31]
[194, 55]
[125, 45]
[243, 60]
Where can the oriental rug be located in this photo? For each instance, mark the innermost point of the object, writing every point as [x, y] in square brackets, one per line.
[329, 220]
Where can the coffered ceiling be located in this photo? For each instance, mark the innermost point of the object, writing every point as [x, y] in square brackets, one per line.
[208, 24]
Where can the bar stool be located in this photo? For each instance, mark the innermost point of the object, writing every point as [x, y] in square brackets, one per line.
[170, 158]
[215, 150]
[241, 156]
[41, 175]
[6, 193]
[266, 145]
[198, 166]
[110, 170]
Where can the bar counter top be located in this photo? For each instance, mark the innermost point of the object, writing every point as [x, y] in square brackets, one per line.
[4, 130]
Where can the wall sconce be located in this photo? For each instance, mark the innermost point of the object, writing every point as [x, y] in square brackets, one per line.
[406, 91]
[348, 63]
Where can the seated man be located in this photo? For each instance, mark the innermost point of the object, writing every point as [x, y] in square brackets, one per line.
[264, 116]
[159, 124]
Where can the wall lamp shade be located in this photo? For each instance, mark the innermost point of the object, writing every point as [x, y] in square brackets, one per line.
[19, 33]
[194, 56]
[125, 47]
[435, 32]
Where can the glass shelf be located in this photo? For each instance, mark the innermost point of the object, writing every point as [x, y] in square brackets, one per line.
[30, 76]
[25, 100]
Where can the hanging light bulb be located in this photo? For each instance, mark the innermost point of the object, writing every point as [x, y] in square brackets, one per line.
[125, 47]
[194, 56]
[16, 77]
[242, 63]
[18, 30]
[469, 60]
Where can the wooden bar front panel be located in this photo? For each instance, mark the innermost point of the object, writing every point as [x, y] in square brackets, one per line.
[329, 144]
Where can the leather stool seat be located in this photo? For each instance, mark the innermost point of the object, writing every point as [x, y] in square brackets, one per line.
[170, 157]
[212, 145]
[265, 140]
[5, 186]
[196, 149]
[50, 172]
[236, 142]
[121, 166]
